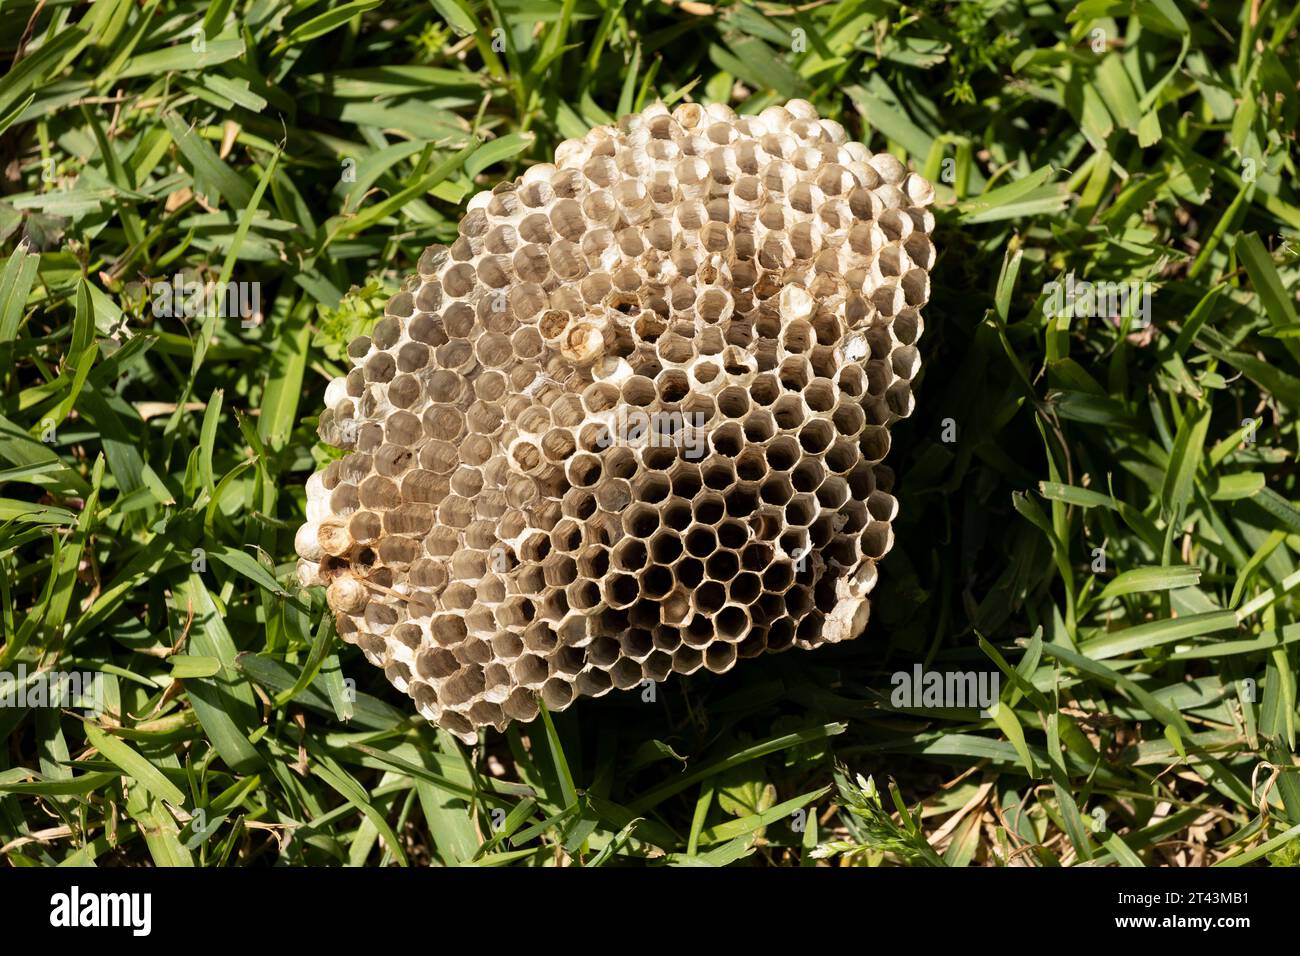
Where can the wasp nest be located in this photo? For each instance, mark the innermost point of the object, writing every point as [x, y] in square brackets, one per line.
[631, 421]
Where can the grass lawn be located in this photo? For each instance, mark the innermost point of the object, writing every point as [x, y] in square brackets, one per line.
[1100, 508]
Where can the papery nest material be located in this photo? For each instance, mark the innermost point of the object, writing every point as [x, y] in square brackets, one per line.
[632, 420]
